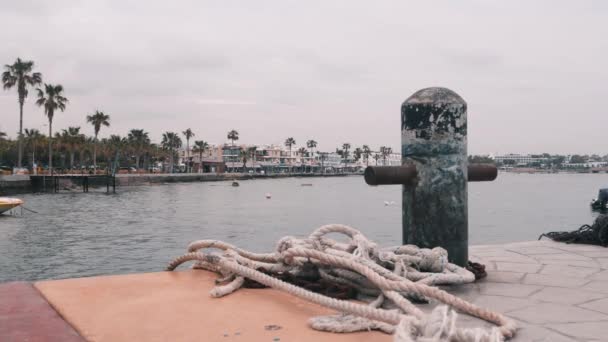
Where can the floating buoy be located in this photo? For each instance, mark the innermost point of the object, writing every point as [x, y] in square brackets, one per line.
[268, 195]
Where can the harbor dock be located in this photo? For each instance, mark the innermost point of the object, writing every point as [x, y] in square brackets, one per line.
[554, 291]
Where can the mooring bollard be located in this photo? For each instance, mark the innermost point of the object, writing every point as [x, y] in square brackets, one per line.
[434, 172]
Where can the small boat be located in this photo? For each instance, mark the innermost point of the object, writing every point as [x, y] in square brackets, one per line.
[268, 195]
[8, 203]
[601, 203]
[235, 183]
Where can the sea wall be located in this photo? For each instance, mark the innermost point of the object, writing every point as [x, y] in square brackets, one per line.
[146, 179]
[15, 184]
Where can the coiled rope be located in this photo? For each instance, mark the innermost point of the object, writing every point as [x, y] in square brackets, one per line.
[395, 276]
[596, 234]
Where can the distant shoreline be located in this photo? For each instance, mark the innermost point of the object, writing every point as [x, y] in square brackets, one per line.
[18, 184]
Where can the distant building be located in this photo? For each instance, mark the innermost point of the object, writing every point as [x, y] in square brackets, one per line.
[393, 159]
[519, 159]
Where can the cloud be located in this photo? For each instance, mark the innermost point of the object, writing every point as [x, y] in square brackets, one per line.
[333, 71]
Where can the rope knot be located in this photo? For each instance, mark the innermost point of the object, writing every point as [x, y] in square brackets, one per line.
[433, 260]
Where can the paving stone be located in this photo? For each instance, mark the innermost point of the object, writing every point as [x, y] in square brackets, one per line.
[534, 333]
[508, 290]
[587, 330]
[501, 304]
[464, 291]
[503, 277]
[536, 250]
[576, 248]
[600, 305]
[517, 267]
[595, 254]
[562, 256]
[603, 262]
[577, 263]
[514, 258]
[562, 295]
[596, 286]
[556, 313]
[568, 271]
[603, 275]
[554, 280]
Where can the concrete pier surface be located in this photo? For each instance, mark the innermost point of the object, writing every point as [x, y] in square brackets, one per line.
[555, 291]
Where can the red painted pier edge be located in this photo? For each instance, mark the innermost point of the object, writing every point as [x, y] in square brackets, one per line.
[25, 315]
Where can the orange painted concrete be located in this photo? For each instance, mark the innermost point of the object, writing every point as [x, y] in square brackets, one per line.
[176, 306]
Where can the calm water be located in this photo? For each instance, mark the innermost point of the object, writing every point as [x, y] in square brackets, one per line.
[140, 229]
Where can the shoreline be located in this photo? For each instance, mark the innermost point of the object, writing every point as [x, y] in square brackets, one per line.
[19, 184]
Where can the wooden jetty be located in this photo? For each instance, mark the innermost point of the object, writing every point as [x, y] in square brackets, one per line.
[51, 182]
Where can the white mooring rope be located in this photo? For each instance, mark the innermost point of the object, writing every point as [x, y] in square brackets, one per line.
[392, 275]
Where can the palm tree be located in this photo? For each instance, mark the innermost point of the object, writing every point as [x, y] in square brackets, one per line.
[20, 74]
[138, 139]
[52, 99]
[345, 148]
[244, 154]
[289, 142]
[302, 151]
[376, 157]
[367, 152]
[171, 142]
[71, 138]
[322, 157]
[357, 153]
[385, 151]
[115, 144]
[188, 134]
[233, 135]
[311, 144]
[97, 120]
[33, 138]
[200, 147]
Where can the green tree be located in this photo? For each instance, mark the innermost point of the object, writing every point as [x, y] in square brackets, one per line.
[33, 138]
[578, 159]
[385, 151]
[171, 142]
[20, 75]
[345, 148]
[188, 134]
[311, 144]
[200, 147]
[367, 152]
[289, 142]
[52, 99]
[72, 139]
[98, 119]
[233, 135]
[139, 141]
[376, 157]
[357, 153]
[303, 153]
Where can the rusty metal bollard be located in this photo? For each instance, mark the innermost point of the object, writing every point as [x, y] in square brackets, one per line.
[434, 172]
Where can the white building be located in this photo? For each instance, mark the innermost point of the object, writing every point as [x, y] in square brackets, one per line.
[519, 159]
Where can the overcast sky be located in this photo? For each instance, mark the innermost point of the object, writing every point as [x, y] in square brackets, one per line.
[534, 73]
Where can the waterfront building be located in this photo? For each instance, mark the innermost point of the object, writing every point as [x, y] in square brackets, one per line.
[519, 159]
[393, 159]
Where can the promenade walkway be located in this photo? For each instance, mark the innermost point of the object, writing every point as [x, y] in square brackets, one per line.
[556, 292]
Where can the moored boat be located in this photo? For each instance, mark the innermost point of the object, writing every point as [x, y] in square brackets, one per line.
[8, 203]
[601, 203]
